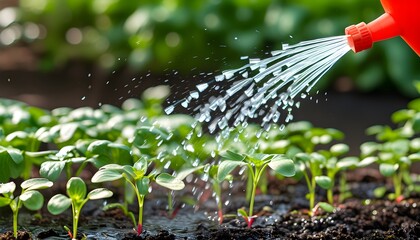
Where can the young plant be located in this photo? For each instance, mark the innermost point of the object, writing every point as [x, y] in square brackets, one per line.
[334, 165]
[139, 180]
[76, 191]
[310, 167]
[29, 197]
[256, 164]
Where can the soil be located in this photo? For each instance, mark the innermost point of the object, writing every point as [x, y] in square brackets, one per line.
[281, 216]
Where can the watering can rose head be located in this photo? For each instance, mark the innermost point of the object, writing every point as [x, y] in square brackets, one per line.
[400, 19]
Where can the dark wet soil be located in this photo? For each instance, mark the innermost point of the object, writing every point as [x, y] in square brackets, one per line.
[281, 216]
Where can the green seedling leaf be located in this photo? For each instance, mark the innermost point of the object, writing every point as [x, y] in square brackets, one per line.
[379, 192]
[143, 185]
[40, 154]
[324, 182]
[141, 166]
[339, 149]
[11, 163]
[283, 166]
[67, 131]
[415, 157]
[169, 181]
[388, 170]
[99, 193]
[243, 213]
[232, 156]
[415, 144]
[5, 201]
[76, 188]
[58, 204]
[326, 207]
[181, 175]
[52, 169]
[32, 200]
[226, 167]
[7, 188]
[106, 175]
[375, 130]
[402, 115]
[302, 157]
[367, 161]
[36, 183]
[369, 148]
[347, 163]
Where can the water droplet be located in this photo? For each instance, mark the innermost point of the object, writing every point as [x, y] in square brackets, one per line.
[202, 87]
[169, 109]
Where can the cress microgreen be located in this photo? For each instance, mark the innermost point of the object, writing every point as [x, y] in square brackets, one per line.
[29, 197]
[76, 198]
[139, 179]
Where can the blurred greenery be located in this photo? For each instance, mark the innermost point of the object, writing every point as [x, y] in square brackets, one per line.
[207, 35]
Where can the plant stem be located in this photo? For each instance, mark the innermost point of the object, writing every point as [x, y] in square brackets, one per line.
[397, 184]
[170, 204]
[15, 222]
[312, 195]
[75, 219]
[218, 192]
[140, 222]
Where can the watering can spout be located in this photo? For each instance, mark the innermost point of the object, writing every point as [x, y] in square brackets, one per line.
[401, 18]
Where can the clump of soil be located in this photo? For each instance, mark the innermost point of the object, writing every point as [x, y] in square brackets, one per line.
[21, 235]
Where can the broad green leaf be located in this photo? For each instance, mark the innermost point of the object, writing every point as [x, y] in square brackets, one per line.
[5, 201]
[339, 149]
[369, 148]
[317, 158]
[11, 163]
[99, 193]
[58, 204]
[283, 166]
[367, 161]
[402, 115]
[232, 156]
[67, 131]
[32, 200]
[143, 185]
[76, 188]
[326, 207]
[36, 183]
[106, 175]
[185, 172]
[169, 181]
[347, 162]
[6, 188]
[52, 169]
[226, 167]
[387, 169]
[141, 165]
[415, 144]
[302, 157]
[324, 182]
[415, 157]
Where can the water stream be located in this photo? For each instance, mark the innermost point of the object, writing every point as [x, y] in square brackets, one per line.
[264, 89]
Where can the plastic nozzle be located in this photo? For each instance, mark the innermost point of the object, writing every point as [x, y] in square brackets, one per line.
[359, 37]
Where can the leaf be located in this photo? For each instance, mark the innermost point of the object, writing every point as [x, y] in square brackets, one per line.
[229, 155]
[387, 169]
[283, 166]
[347, 163]
[302, 157]
[169, 181]
[243, 213]
[379, 192]
[52, 169]
[326, 207]
[76, 188]
[226, 167]
[369, 148]
[339, 149]
[106, 175]
[32, 200]
[58, 204]
[6, 188]
[36, 183]
[67, 131]
[99, 193]
[143, 185]
[5, 201]
[11, 164]
[141, 165]
[324, 182]
[367, 161]
[181, 175]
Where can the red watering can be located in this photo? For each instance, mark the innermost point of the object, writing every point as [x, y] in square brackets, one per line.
[401, 18]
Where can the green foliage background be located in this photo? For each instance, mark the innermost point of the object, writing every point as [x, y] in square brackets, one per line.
[211, 35]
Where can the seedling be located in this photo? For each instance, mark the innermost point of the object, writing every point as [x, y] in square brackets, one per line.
[29, 197]
[334, 165]
[76, 191]
[310, 166]
[256, 164]
[138, 178]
